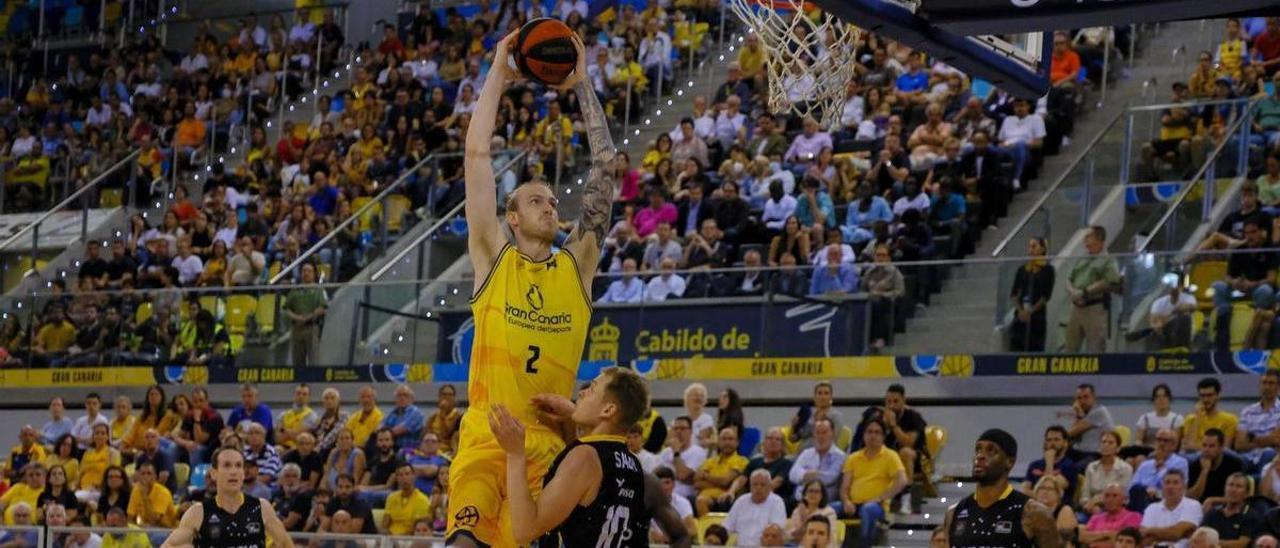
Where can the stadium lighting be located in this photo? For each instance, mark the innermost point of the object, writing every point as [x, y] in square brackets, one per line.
[233, 150]
[117, 235]
[679, 92]
[722, 57]
[268, 123]
[626, 141]
[658, 112]
[648, 121]
[399, 337]
[428, 314]
[669, 102]
[637, 132]
[568, 190]
[77, 265]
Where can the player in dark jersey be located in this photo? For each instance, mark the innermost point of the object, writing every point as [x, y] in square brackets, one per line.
[594, 493]
[995, 515]
[229, 519]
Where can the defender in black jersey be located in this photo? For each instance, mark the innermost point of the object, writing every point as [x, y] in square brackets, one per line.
[995, 515]
[229, 519]
[594, 493]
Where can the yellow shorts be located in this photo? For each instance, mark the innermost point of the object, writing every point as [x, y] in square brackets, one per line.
[478, 480]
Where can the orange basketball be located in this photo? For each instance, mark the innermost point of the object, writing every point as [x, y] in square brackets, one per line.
[544, 51]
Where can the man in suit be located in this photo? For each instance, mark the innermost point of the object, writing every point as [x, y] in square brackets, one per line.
[983, 168]
[693, 210]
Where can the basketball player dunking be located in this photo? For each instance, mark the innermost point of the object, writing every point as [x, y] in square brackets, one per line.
[531, 306]
[229, 519]
[996, 515]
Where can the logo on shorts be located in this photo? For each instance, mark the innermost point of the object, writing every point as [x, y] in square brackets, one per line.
[468, 516]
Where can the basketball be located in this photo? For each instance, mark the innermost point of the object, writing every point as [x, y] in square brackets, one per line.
[544, 51]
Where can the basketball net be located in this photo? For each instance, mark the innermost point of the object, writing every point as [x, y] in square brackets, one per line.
[809, 55]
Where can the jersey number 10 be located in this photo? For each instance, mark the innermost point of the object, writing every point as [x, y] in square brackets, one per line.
[615, 532]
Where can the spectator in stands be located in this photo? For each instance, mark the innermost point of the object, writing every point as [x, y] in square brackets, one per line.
[299, 418]
[345, 500]
[1266, 47]
[627, 245]
[718, 473]
[648, 220]
[151, 504]
[1091, 281]
[1020, 134]
[667, 284]
[1250, 271]
[27, 491]
[635, 443]
[1269, 182]
[1064, 69]
[806, 146]
[753, 512]
[822, 461]
[864, 213]
[661, 248]
[1161, 416]
[1091, 421]
[83, 428]
[885, 284]
[627, 289]
[715, 535]
[836, 277]
[252, 409]
[904, 434]
[683, 456]
[1256, 440]
[689, 145]
[1049, 493]
[1170, 316]
[291, 500]
[54, 338]
[1233, 51]
[344, 459]
[1056, 464]
[406, 505]
[789, 279]
[1173, 519]
[246, 265]
[1235, 518]
[1109, 518]
[872, 476]
[331, 421]
[1231, 232]
[444, 421]
[1129, 537]
[793, 240]
[1108, 469]
[95, 462]
[666, 479]
[58, 425]
[1146, 484]
[28, 450]
[1207, 416]
[890, 170]
[28, 179]
[426, 461]
[926, 142]
[259, 451]
[305, 306]
[813, 507]
[773, 458]
[149, 452]
[1209, 473]
[1032, 288]
[362, 423]
[405, 420]
[766, 141]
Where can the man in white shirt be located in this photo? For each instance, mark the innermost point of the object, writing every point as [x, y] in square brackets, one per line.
[731, 123]
[681, 504]
[83, 428]
[666, 285]
[1170, 316]
[250, 29]
[303, 30]
[188, 264]
[683, 456]
[753, 512]
[655, 52]
[704, 125]
[99, 113]
[823, 461]
[778, 208]
[627, 289]
[1170, 522]
[1019, 134]
[194, 61]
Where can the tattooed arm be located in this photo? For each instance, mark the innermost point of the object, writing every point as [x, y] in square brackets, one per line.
[597, 195]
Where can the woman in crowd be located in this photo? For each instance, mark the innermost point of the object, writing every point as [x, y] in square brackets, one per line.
[345, 458]
[58, 490]
[730, 412]
[1032, 288]
[66, 456]
[1108, 469]
[793, 240]
[704, 426]
[331, 421]
[1049, 493]
[95, 461]
[115, 494]
[1150, 423]
[813, 502]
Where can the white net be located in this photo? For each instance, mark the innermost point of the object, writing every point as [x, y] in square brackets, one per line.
[809, 55]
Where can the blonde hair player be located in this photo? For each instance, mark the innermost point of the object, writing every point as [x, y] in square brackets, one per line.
[531, 306]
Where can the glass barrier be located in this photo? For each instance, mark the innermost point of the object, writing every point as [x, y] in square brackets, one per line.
[1228, 157]
[738, 312]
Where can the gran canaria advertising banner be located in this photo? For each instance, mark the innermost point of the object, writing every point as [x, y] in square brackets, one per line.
[749, 329]
[1151, 363]
[76, 377]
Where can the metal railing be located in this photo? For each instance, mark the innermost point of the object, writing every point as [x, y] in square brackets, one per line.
[1079, 180]
[441, 222]
[1204, 181]
[77, 197]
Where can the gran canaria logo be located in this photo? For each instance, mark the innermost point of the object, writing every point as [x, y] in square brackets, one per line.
[534, 297]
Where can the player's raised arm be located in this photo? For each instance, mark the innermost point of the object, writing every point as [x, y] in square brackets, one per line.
[531, 519]
[485, 238]
[184, 535]
[597, 195]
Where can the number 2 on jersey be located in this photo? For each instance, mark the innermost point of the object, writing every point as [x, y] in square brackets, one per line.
[533, 359]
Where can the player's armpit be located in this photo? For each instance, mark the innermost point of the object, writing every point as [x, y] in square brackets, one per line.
[578, 475]
[184, 534]
[1038, 523]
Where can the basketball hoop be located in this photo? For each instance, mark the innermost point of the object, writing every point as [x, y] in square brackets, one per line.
[809, 55]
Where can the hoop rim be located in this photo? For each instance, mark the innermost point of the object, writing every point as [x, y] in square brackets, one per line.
[786, 5]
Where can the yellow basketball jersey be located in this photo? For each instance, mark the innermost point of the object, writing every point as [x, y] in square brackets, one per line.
[531, 320]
